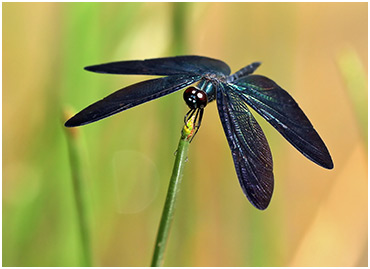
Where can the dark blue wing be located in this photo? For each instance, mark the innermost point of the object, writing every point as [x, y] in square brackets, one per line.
[282, 112]
[245, 71]
[196, 65]
[129, 97]
[249, 147]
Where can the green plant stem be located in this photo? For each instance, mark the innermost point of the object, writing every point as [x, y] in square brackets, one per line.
[80, 194]
[173, 189]
[179, 23]
[354, 76]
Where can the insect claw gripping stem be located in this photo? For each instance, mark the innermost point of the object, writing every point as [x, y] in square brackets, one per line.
[188, 116]
[197, 120]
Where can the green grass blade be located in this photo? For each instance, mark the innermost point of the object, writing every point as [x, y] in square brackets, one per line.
[179, 40]
[80, 194]
[173, 189]
[354, 77]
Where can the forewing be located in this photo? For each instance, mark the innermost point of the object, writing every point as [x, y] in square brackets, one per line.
[249, 147]
[164, 66]
[281, 111]
[129, 97]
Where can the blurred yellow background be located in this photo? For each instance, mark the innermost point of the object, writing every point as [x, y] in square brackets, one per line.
[317, 217]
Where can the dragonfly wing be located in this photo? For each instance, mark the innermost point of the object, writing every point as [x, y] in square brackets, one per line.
[245, 71]
[249, 147]
[164, 66]
[281, 111]
[129, 97]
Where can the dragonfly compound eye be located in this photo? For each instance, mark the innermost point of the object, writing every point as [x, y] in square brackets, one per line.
[195, 98]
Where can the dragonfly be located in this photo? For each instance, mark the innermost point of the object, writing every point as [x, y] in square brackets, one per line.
[206, 80]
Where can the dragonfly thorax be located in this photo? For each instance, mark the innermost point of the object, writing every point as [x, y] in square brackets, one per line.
[195, 98]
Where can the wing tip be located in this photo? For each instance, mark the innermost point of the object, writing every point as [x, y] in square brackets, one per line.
[100, 68]
[322, 159]
[259, 198]
[78, 120]
[71, 123]
[328, 164]
[261, 207]
[91, 68]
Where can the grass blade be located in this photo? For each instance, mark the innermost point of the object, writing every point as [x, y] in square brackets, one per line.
[173, 189]
[80, 194]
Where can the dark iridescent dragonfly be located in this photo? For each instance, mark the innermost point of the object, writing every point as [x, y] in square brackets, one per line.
[233, 93]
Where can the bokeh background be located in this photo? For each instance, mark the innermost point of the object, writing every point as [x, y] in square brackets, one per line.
[317, 217]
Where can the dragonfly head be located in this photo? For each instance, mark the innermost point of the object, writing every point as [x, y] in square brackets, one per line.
[195, 98]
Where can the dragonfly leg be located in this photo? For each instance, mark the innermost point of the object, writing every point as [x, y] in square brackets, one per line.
[200, 117]
[197, 121]
[188, 115]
